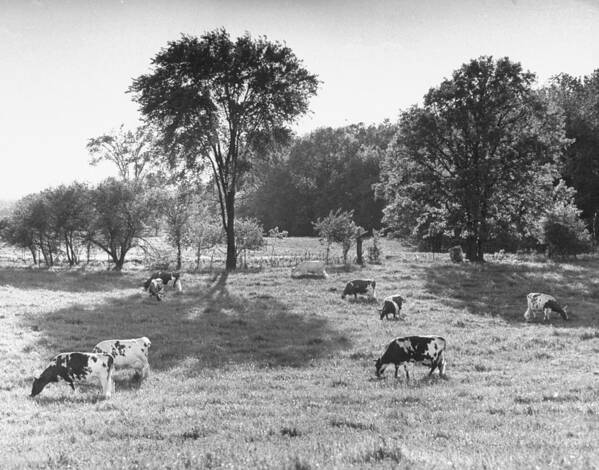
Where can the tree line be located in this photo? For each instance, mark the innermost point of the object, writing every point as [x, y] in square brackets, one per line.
[487, 160]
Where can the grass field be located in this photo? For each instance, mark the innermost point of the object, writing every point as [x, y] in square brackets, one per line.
[256, 370]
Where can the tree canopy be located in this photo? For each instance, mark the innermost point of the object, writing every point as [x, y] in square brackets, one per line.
[473, 156]
[218, 102]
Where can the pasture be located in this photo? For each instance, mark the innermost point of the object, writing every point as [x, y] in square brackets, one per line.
[258, 370]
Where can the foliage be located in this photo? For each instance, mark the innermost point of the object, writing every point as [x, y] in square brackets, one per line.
[204, 231]
[328, 168]
[561, 229]
[217, 102]
[475, 156]
[375, 252]
[51, 222]
[133, 152]
[337, 227]
[122, 212]
[179, 210]
[579, 99]
[249, 235]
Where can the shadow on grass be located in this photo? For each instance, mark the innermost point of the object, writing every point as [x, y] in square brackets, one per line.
[203, 327]
[69, 280]
[500, 289]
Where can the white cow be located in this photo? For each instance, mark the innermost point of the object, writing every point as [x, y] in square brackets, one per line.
[537, 302]
[128, 353]
[309, 269]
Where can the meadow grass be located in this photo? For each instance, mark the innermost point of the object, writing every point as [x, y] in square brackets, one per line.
[258, 370]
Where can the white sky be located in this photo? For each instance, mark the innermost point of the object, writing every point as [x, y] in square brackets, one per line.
[65, 64]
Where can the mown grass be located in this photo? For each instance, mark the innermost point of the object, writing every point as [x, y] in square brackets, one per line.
[258, 370]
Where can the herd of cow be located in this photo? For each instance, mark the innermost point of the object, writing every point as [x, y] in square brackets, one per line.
[109, 355]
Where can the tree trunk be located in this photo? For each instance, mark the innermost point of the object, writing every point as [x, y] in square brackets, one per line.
[178, 255]
[231, 251]
[359, 258]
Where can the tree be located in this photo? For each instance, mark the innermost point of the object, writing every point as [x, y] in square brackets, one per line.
[130, 151]
[121, 214]
[218, 102]
[473, 153]
[561, 229]
[326, 169]
[70, 217]
[179, 213]
[337, 227]
[249, 235]
[579, 99]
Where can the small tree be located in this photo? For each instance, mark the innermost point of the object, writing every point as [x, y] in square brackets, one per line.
[561, 228]
[249, 235]
[275, 234]
[337, 227]
[179, 213]
[374, 251]
[122, 213]
[204, 233]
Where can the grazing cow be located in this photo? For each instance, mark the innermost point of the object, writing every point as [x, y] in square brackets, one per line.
[128, 353]
[360, 286]
[391, 305]
[309, 269]
[77, 366]
[537, 302]
[427, 350]
[156, 288]
[166, 277]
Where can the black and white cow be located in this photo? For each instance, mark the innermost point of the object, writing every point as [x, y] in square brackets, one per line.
[77, 366]
[360, 286]
[537, 302]
[391, 306]
[156, 288]
[428, 350]
[128, 353]
[165, 277]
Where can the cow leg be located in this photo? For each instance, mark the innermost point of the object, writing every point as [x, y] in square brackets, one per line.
[546, 312]
[145, 371]
[405, 366]
[67, 378]
[106, 382]
[433, 367]
[441, 364]
[396, 369]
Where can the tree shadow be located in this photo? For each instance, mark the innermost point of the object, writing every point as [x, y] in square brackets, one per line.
[500, 289]
[68, 280]
[206, 327]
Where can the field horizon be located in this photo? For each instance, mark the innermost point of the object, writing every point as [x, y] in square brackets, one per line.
[254, 369]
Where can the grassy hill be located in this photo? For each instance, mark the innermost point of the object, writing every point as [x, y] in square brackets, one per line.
[257, 370]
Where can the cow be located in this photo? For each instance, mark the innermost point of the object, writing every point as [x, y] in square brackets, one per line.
[128, 354]
[428, 350]
[537, 302]
[166, 277]
[309, 269]
[156, 288]
[77, 366]
[360, 286]
[391, 305]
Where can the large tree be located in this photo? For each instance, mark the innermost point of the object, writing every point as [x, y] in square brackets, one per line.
[218, 101]
[472, 157]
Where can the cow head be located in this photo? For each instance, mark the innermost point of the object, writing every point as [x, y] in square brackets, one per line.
[38, 386]
[349, 290]
[379, 366]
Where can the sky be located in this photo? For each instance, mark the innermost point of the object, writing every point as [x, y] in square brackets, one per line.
[65, 65]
